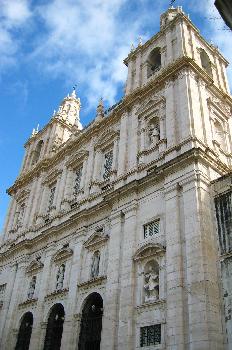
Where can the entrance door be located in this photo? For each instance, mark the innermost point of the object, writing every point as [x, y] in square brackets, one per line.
[91, 323]
[24, 335]
[54, 328]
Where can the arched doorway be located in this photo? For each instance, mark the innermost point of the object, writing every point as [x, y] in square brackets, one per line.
[54, 328]
[24, 335]
[91, 323]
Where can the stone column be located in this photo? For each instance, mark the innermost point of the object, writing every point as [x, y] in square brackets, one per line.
[127, 281]
[13, 306]
[96, 170]
[169, 46]
[36, 200]
[204, 324]
[142, 143]
[84, 173]
[170, 114]
[29, 204]
[111, 301]
[40, 322]
[115, 159]
[206, 126]
[174, 270]
[122, 145]
[10, 216]
[129, 78]
[70, 332]
[43, 204]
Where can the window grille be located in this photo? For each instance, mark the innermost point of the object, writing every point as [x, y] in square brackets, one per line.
[21, 215]
[151, 229]
[108, 165]
[51, 198]
[2, 293]
[77, 183]
[150, 335]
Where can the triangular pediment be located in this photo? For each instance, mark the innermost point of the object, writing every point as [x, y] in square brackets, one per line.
[63, 254]
[96, 240]
[149, 250]
[34, 266]
[77, 158]
[149, 106]
[106, 137]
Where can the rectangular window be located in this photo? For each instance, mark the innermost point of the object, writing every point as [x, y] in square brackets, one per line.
[151, 229]
[108, 165]
[51, 197]
[150, 335]
[2, 293]
[77, 182]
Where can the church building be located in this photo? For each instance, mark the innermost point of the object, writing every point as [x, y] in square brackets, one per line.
[119, 234]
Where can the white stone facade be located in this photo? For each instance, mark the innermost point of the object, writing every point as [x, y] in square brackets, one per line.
[137, 226]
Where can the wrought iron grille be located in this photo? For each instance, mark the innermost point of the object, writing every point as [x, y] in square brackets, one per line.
[150, 335]
[51, 198]
[108, 165]
[77, 182]
[151, 229]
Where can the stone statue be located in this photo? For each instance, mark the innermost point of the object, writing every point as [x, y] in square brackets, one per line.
[31, 290]
[154, 134]
[95, 265]
[60, 277]
[151, 285]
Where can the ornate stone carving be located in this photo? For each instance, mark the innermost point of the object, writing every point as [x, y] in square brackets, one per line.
[149, 250]
[96, 240]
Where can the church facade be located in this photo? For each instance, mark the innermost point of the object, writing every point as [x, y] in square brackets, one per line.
[111, 239]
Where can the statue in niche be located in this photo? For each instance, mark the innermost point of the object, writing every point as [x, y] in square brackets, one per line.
[95, 264]
[151, 286]
[31, 289]
[60, 277]
[154, 134]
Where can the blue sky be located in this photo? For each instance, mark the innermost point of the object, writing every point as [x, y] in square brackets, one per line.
[47, 46]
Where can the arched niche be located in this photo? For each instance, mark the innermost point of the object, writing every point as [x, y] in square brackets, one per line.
[37, 152]
[54, 328]
[24, 334]
[153, 61]
[205, 62]
[91, 323]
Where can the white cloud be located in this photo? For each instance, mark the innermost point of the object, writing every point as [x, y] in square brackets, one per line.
[13, 15]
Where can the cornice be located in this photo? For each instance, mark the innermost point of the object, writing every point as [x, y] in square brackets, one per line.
[204, 154]
[57, 294]
[92, 283]
[27, 303]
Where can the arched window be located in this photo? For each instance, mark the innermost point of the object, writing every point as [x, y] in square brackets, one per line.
[37, 152]
[91, 323]
[60, 277]
[24, 335]
[54, 328]
[153, 61]
[95, 264]
[205, 62]
[151, 281]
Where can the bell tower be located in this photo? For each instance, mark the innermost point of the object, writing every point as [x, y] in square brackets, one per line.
[47, 141]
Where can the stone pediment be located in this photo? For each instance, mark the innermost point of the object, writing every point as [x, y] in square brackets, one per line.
[63, 254]
[149, 250]
[106, 138]
[96, 240]
[77, 158]
[149, 106]
[52, 176]
[22, 195]
[34, 266]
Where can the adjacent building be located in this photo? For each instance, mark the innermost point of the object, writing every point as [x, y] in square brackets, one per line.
[111, 239]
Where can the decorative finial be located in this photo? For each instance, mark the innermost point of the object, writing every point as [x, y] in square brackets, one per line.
[132, 48]
[74, 92]
[100, 110]
[54, 112]
[140, 41]
[37, 129]
[33, 132]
